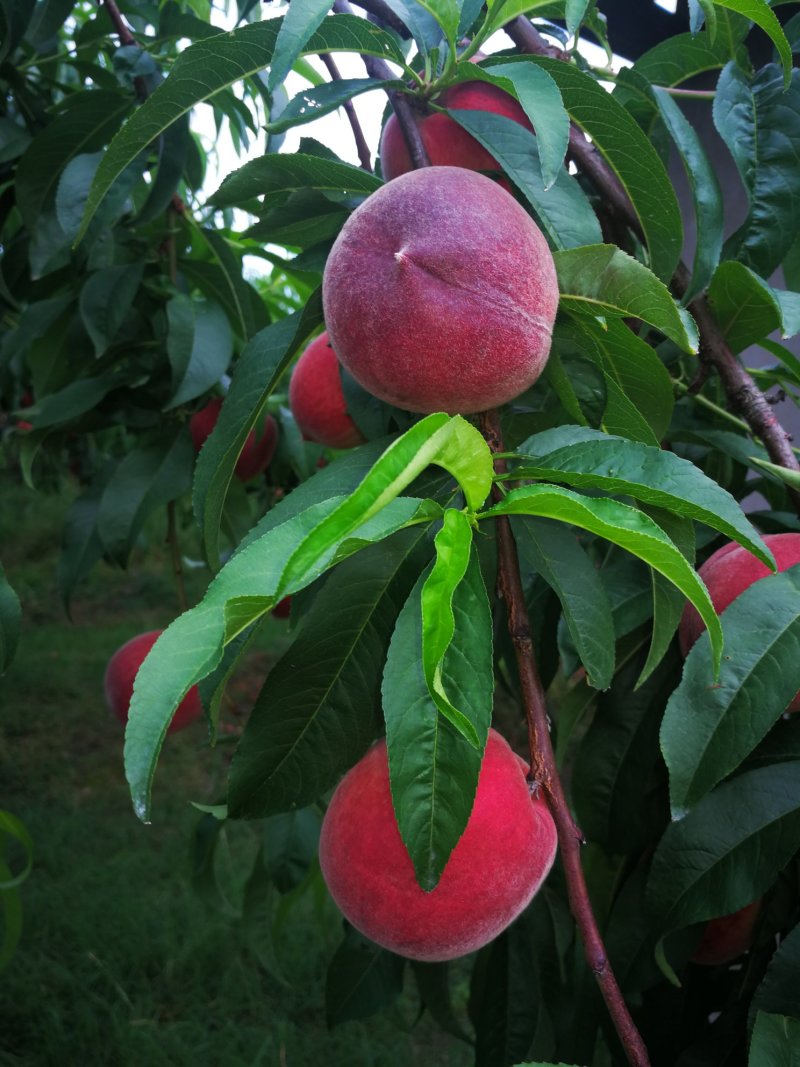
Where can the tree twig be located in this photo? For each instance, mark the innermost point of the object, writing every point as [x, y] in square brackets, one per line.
[126, 39]
[544, 771]
[383, 14]
[743, 395]
[358, 134]
[378, 68]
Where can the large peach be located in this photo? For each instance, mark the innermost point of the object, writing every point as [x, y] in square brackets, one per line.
[447, 143]
[317, 400]
[440, 293]
[121, 672]
[495, 869]
[726, 938]
[727, 573]
[257, 451]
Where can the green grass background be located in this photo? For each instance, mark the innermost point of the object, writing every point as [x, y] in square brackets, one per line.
[121, 960]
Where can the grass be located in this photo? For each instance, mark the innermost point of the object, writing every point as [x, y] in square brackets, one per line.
[122, 962]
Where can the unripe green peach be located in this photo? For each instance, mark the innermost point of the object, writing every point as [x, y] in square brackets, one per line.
[499, 863]
[440, 293]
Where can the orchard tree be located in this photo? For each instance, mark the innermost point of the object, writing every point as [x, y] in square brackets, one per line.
[527, 423]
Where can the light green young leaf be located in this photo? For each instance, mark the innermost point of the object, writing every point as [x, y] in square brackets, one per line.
[604, 280]
[625, 526]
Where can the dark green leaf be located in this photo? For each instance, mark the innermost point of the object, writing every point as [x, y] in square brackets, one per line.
[728, 850]
[709, 729]
[587, 458]
[307, 728]
[249, 315]
[10, 622]
[779, 992]
[297, 25]
[173, 152]
[424, 28]
[603, 280]
[433, 769]
[275, 175]
[148, 478]
[745, 307]
[81, 546]
[775, 1042]
[668, 603]
[567, 569]
[199, 346]
[311, 104]
[106, 298]
[760, 123]
[761, 13]
[362, 978]
[292, 842]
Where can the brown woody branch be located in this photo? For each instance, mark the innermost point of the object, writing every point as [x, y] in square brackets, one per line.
[544, 772]
[742, 393]
[383, 15]
[361, 144]
[126, 38]
[377, 68]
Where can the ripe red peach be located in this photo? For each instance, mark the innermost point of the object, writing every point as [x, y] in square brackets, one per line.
[726, 938]
[317, 400]
[121, 672]
[727, 573]
[446, 143]
[440, 293]
[257, 452]
[497, 866]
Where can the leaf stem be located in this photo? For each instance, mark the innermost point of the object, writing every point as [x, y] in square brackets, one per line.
[742, 393]
[358, 134]
[544, 771]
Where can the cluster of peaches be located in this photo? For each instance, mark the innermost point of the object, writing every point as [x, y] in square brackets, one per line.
[447, 264]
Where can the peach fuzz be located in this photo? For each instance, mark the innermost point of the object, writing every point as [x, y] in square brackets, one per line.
[727, 573]
[121, 672]
[257, 452]
[447, 143]
[726, 938]
[317, 400]
[501, 860]
[440, 293]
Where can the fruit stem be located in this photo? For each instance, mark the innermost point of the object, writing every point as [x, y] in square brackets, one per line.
[361, 143]
[175, 550]
[544, 771]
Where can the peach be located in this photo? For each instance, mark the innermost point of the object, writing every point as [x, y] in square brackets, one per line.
[497, 866]
[317, 400]
[440, 293]
[447, 143]
[727, 573]
[121, 672]
[258, 451]
[726, 938]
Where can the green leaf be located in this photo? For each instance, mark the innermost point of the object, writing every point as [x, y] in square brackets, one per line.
[779, 991]
[505, 10]
[81, 546]
[541, 101]
[760, 123]
[307, 728]
[275, 175]
[569, 572]
[446, 441]
[623, 526]
[78, 397]
[630, 155]
[73, 189]
[199, 346]
[243, 592]
[761, 13]
[173, 152]
[433, 768]
[453, 546]
[574, 14]
[709, 729]
[668, 604]
[248, 315]
[362, 978]
[13, 827]
[589, 459]
[616, 789]
[257, 372]
[297, 25]
[745, 307]
[706, 192]
[603, 280]
[447, 13]
[10, 622]
[775, 1042]
[311, 104]
[563, 211]
[148, 478]
[214, 64]
[424, 28]
[84, 124]
[728, 850]
[15, 16]
[106, 298]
